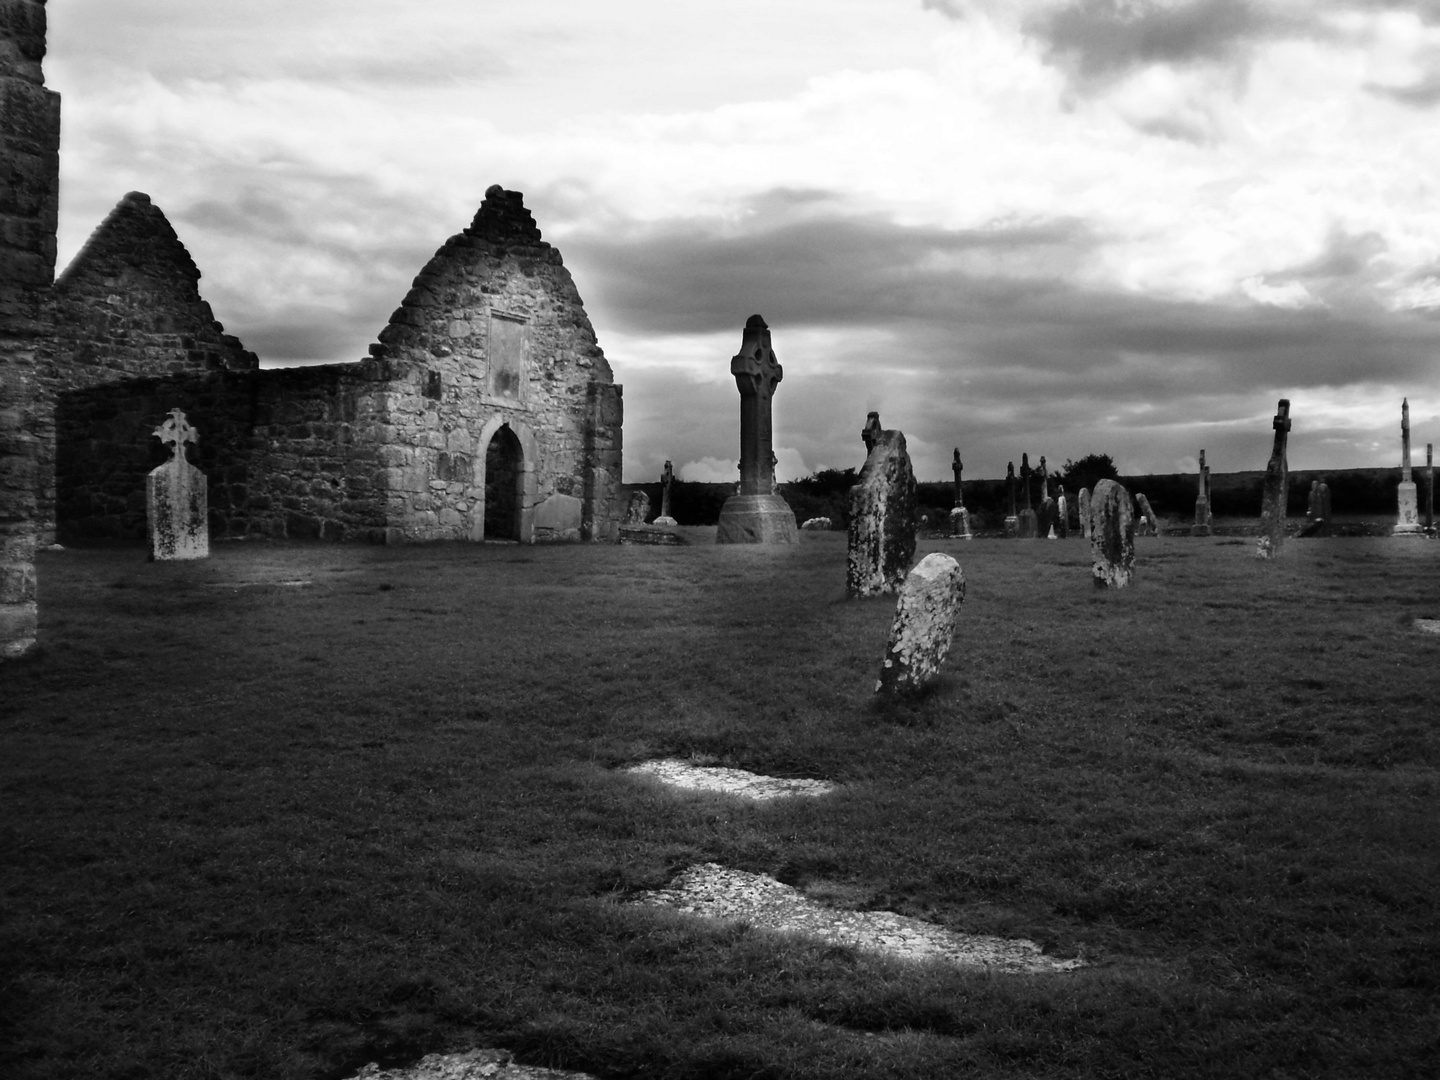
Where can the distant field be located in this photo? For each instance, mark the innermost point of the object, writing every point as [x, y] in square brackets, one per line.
[250, 827]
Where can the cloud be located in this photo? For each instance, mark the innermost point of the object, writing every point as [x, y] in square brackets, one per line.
[710, 470]
[1098, 39]
[982, 339]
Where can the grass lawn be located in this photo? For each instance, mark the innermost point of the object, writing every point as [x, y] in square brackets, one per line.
[260, 829]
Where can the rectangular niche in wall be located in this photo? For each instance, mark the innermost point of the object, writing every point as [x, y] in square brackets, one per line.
[506, 355]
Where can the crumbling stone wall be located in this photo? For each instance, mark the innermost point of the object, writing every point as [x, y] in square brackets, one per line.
[292, 453]
[127, 307]
[29, 200]
[490, 355]
[493, 334]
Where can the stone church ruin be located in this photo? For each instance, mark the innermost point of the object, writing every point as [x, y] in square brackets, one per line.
[486, 410]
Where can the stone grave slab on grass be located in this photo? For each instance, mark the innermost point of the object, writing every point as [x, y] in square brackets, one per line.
[711, 891]
[1428, 626]
[470, 1065]
[729, 781]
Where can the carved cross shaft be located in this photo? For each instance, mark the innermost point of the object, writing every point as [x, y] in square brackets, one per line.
[757, 372]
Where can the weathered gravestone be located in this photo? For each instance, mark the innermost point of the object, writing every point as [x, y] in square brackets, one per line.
[1112, 536]
[1047, 518]
[1062, 514]
[1202, 502]
[1317, 510]
[882, 516]
[1084, 511]
[666, 479]
[1408, 522]
[176, 508]
[816, 524]
[1012, 519]
[1277, 488]
[1152, 524]
[924, 625]
[756, 515]
[1028, 530]
[959, 516]
[638, 510]
[1430, 487]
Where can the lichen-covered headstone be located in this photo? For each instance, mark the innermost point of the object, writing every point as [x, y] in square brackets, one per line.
[1084, 498]
[924, 625]
[1047, 517]
[816, 524]
[1277, 488]
[1152, 524]
[1062, 514]
[882, 518]
[176, 506]
[1112, 536]
[638, 510]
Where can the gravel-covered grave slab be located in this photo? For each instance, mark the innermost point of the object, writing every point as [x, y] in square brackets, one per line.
[711, 891]
[482, 1064]
[730, 781]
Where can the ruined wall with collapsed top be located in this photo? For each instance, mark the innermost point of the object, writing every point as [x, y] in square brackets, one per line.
[493, 335]
[487, 409]
[291, 453]
[29, 201]
[127, 307]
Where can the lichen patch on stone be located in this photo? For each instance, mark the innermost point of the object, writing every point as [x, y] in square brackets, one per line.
[711, 891]
[729, 781]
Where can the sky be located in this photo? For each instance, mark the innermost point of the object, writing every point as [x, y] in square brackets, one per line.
[1056, 227]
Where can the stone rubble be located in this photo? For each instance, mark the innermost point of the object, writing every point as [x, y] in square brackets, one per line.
[729, 781]
[711, 891]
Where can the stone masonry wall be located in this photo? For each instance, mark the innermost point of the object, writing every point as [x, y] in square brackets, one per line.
[494, 334]
[128, 306]
[29, 199]
[288, 454]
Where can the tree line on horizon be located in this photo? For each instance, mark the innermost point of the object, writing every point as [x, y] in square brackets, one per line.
[825, 493]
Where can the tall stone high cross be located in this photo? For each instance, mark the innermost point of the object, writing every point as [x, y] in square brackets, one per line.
[1044, 480]
[1202, 501]
[1012, 519]
[1027, 523]
[1277, 488]
[959, 516]
[176, 502]
[755, 514]
[667, 477]
[1408, 521]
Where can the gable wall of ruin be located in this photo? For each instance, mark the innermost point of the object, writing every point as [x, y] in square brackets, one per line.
[494, 333]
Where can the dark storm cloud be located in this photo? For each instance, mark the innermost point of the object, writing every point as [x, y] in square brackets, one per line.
[1100, 38]
[1000, 304]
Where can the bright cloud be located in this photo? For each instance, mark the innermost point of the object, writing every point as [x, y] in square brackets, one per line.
[1058, 226]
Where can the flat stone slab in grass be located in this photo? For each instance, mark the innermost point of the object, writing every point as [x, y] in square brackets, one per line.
[471, 1065]
[713, 892]
[1428, 626]
[729, 781]
[295, 583]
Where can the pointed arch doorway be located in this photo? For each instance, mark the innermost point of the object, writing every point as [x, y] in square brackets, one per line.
[504, 485]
